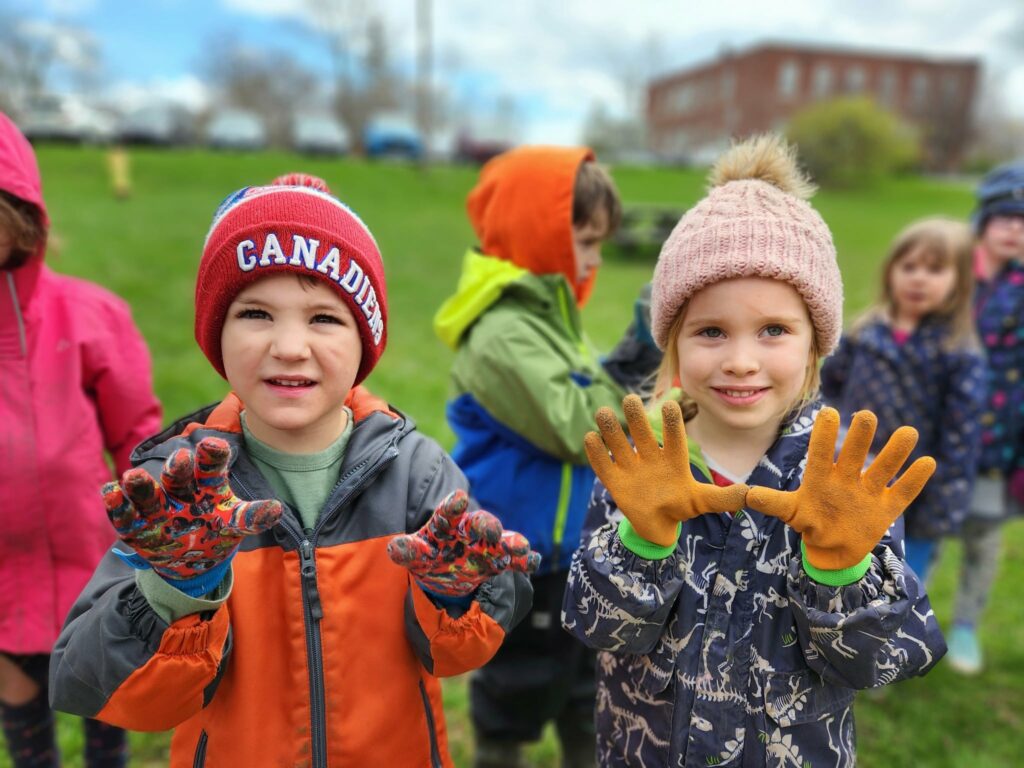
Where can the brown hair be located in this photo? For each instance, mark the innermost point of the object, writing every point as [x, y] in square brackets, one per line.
[947, 242]
[595, 188]
[23, 221]
[668, 371]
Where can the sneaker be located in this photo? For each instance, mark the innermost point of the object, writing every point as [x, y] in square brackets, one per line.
[964, 652]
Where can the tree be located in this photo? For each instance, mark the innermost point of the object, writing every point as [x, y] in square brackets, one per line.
[851, 141]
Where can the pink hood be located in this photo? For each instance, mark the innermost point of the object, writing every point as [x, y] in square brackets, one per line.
[75, 382]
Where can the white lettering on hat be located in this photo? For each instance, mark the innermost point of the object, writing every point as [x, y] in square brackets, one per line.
[353, 277]
[272, 248]
[304, 252]
[246, 257]
[333, 261]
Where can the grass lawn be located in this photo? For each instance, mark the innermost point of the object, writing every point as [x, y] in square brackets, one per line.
[146, 248]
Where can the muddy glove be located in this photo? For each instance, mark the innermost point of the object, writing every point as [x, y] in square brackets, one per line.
[456, 551]
[653, 486]
[840, 512]
[188, 526]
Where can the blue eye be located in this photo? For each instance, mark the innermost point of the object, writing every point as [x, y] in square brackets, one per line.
[775, 330]
[711, 333]
[327, 319]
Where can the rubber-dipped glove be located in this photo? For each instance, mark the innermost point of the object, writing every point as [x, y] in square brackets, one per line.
[456, 551]
[841, 512]
[190, 523]
[653, 486]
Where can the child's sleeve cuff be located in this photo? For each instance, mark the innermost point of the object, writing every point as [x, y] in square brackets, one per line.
[640, 546]
[838, 578]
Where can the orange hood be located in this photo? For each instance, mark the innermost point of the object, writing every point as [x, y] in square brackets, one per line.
[521, 210]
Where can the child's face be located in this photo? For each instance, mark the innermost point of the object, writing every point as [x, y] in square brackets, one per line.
[744, 350]
[1003, 238]
[586, 244]
[920, 284]
[291, 352]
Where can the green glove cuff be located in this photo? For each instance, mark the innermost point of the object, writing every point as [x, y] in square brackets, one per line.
[640, 546]
[838, 578]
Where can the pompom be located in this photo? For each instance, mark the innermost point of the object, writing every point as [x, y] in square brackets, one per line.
[767, 157]
[301, 180]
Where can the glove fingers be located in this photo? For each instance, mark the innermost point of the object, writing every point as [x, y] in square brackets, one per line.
[889, 460]
[674, 434]
[178, 476]
[144, 493]
[639, 426]
[857, 445]
[770, 502]
[481, 528]
[597, 454]
[822, 447]
[252, 517]
[614, 438]
[122, 513]
[712, 498]
[211, 467]
[407, 549]
[906, 489]
[448, 515]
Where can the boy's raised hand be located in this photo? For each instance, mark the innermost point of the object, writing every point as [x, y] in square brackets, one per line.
[456, 551]
[841, 512]
[190, 521]
[653, 486]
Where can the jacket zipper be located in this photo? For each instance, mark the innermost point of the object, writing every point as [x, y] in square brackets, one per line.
[200, 759]
[435, 754]
[312, 607]
[17, 314]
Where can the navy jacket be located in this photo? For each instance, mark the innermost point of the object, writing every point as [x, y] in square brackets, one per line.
[919, 383]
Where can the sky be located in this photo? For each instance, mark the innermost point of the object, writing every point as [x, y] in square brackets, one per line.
[553, 61]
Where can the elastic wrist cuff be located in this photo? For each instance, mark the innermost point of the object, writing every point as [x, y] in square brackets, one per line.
[204, 583]
[448, 601]
[640, 546]
[838, 578]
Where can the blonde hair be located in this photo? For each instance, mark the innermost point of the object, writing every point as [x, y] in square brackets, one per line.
[668, 371]
[947, 242]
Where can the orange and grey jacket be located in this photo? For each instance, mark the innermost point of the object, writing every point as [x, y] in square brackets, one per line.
[325, 653]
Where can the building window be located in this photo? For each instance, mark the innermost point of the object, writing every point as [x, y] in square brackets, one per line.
[920, 84]
[728, 86]
[855, 79]
[822, 81]
[950, 87]
[887, 87]
[789, 79]
[683, 99]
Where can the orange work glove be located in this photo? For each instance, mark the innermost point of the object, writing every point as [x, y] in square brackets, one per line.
[653, 486]
[841, 512]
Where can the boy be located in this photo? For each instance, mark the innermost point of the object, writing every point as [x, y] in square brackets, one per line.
[527, 383]
[277, 631]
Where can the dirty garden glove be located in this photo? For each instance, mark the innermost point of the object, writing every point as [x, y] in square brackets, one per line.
[456, 551]
[653, 486]
[840, 512]
[188, 526]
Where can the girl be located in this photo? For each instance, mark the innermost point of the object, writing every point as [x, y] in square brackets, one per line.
[999, 313]
[75, 381]
[751, 584]
[914, 358]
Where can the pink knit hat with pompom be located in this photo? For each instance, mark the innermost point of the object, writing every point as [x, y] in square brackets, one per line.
[753, 223]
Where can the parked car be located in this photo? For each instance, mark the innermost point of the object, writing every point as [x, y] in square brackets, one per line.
[319, 135]
[236, 129]
[392, 135]
[59, 118]
[157, 125]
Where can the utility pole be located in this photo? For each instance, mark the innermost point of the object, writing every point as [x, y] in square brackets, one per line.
[424, 64]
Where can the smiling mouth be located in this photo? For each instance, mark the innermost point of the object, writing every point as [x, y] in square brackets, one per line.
[291, 382]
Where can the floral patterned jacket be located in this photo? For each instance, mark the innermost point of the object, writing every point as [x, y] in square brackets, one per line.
[726, 653]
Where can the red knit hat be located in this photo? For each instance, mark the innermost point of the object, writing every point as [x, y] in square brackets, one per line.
[293, 226]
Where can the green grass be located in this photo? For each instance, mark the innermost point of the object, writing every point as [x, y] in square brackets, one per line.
[146, 248]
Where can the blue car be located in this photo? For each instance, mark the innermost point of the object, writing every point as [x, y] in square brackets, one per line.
[392, 136]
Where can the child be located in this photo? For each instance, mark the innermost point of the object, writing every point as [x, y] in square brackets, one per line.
[915, 359]
[751, 585]
[278, 631]
[526, 381]
[75, 381]
[999, 310]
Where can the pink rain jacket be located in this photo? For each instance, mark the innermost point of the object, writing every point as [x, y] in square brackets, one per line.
[75, 379]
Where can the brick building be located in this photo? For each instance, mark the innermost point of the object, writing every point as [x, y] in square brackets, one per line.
[692, 114]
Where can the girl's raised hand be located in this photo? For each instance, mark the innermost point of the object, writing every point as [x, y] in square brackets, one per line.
[840, 511]
[651, 484]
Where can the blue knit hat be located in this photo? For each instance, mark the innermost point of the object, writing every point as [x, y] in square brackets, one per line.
[1001, 193]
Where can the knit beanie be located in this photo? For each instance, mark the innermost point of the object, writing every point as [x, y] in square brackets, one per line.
[292, 226]
[1001, 193]
[753, 222]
